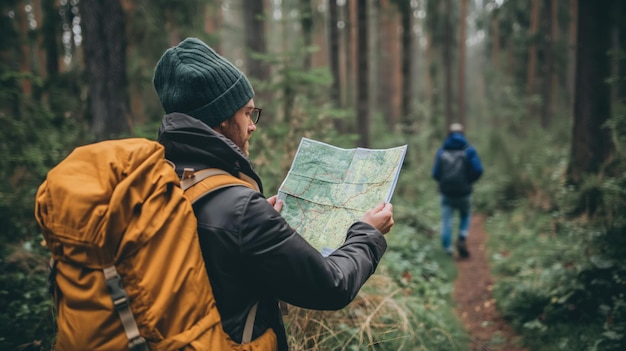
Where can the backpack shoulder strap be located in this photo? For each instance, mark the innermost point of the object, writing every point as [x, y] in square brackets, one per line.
[197, 184]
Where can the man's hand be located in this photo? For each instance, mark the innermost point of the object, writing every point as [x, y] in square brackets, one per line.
[380, 217]
[277, 204]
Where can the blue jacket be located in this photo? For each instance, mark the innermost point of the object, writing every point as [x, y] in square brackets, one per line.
[457, 141]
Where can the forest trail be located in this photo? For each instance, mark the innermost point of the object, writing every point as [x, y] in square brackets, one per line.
[474, 300]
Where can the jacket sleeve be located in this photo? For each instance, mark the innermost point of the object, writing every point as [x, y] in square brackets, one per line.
[476, 169]
[285, 266]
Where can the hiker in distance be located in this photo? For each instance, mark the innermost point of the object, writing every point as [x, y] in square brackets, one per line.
[456, 168]
[253, 257]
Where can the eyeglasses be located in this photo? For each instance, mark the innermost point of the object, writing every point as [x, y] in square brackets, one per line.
[254, 113]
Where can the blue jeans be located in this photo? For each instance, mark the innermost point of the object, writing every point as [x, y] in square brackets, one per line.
[448, 207]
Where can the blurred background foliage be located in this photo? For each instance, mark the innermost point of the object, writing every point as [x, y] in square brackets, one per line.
[546, 116]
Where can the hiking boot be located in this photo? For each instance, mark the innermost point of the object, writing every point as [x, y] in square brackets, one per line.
[461, 246]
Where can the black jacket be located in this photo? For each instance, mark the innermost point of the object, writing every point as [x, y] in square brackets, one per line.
[251, 254]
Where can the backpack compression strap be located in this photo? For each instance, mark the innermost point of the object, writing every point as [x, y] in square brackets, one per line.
[194, 188]
[121, 303]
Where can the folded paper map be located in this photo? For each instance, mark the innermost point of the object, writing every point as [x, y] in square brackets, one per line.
[329, 188]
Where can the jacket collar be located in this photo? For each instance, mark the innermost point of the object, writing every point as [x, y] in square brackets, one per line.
[189, 142]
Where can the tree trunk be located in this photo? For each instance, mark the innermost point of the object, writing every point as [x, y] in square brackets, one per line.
[50, 28]
[345, 54]
[374, 49]
[334, 51]
[37, 46]
[335, 59]
[320, 38]
[532, 50]
[362, 112]
[571, 49]
[554, 76]
[388, 93]
[407, 61]
[255, 44]
[352, 68]
[51, 41]
[591, 142]
[105, 58]
[620, 85]
[447, 62]
[254, 28]
[461, 63]
[306, 22]
[25, 61]
[548, 65]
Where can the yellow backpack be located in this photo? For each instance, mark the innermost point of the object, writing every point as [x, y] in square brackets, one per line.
[127, 269]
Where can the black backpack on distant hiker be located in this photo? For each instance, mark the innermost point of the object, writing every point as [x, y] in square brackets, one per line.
[453, 168]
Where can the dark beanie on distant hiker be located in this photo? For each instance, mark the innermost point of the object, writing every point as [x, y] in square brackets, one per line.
[192, 78]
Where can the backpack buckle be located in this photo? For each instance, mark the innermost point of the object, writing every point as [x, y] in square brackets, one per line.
[188, 173]
[114, 284]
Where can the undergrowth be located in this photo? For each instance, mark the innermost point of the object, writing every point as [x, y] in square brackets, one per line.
[559, 271]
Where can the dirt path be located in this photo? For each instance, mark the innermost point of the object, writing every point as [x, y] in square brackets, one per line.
[475, 303]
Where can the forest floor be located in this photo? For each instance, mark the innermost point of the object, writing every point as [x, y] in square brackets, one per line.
[476, 307]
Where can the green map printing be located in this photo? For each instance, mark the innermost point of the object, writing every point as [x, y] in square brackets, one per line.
[328, 188]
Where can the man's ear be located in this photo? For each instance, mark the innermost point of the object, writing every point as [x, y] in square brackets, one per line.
[220, 127]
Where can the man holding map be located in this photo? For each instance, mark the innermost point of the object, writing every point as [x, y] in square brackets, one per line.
[253, 257]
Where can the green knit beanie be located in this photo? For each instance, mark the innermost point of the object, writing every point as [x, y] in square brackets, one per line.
[192, 78]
